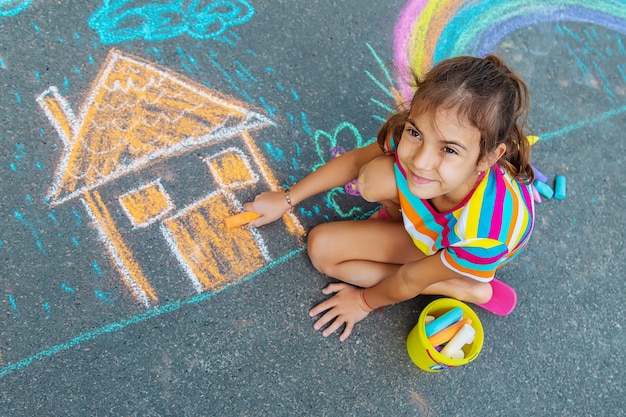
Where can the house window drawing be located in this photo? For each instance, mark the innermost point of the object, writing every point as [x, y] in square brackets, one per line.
[138, 115]
[146, 204]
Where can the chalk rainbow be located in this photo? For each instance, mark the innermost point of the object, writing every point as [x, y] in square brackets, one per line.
[427, 32]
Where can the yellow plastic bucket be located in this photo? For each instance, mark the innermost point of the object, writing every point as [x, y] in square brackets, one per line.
[424, 355]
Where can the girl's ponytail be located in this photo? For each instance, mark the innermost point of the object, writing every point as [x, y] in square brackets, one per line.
[516, 159]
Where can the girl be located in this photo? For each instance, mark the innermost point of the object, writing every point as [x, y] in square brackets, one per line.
[455, 168]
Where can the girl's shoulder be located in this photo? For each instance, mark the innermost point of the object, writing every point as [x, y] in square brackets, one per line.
[498, 181]
[499, 190]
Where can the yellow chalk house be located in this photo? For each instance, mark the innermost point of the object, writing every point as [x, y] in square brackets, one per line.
[138, 114]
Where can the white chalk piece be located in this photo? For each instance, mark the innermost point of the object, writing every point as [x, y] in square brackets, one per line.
[560, 187]
[460, 339]
[428, 319]
[458, 355]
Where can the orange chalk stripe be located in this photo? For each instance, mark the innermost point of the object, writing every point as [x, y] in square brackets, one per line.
[240, 219]
[448, 333]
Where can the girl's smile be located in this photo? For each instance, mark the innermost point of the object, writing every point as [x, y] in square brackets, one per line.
[420, 180]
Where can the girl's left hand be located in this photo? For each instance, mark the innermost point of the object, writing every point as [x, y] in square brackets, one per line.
[345, 307]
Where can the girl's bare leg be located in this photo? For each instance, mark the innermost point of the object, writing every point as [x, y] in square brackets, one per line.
[465, 289]
[363, 253]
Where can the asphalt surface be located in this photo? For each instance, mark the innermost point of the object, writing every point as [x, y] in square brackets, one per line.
[80, 332]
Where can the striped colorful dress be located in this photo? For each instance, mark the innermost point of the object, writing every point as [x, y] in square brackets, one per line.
[487, 230]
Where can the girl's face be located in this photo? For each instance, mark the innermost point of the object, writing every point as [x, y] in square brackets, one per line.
[439, 154]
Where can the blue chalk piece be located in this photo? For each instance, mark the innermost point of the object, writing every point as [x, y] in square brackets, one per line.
[539, 175]
[544, 189]
[560, 187]
[444, 321]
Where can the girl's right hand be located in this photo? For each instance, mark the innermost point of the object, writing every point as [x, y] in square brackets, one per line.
[271, 205]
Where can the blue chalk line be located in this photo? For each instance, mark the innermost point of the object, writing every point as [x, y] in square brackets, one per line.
[139, 318]
[583, 123]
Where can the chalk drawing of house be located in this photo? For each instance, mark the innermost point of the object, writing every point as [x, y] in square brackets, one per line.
[136, 115]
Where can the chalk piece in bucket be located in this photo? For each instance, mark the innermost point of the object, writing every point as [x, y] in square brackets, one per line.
[458, 355]
[560, 187]
[448, 333]
[427, 357]
[444, 321]
[463, 337]
[240, 219]
[544, 189]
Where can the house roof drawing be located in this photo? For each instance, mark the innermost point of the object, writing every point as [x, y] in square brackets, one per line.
[136, 113]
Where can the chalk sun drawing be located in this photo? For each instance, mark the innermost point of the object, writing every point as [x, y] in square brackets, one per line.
[119, 21]
[138, 115]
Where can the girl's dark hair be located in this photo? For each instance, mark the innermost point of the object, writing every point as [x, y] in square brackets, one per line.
[486, 93]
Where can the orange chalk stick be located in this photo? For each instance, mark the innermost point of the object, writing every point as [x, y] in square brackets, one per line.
[448, 333]
[240, 219]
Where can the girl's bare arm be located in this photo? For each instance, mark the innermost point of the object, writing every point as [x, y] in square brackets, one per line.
[409, 281]
[336, 172]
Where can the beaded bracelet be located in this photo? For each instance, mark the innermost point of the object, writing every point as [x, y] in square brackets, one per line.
[288, 198]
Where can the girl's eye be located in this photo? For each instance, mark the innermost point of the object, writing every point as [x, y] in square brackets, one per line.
[414, 133]
[449, 151]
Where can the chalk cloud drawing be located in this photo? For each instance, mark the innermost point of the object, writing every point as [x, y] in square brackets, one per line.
[13, 7]
[427, 32]
[138, 115]
[126, 20]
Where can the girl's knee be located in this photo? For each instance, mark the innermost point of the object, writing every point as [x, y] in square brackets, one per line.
[318, 241]
[363, 185]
